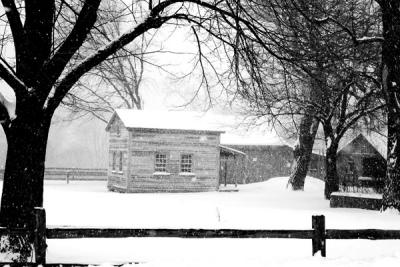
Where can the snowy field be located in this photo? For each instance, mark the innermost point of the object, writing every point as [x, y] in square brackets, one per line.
[267, 205]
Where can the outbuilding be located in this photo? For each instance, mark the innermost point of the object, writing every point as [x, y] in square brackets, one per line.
[265, 156]
[361, 161]
[168, 151]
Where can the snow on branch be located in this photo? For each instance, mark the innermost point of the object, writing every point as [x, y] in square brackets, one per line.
[321, 20]
[9, 101]
[370, 39]
[356, 40]
[7, 95]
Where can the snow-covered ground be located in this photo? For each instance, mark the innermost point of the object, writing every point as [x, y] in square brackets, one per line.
[267, 205]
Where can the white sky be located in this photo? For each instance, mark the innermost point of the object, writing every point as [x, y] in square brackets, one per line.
[159, 90]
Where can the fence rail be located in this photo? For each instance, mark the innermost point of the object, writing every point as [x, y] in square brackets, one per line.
[67, 232]
[372, 234]
[318, 234]
[78, 174]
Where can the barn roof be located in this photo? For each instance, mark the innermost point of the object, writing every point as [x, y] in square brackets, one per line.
[166, 120]
[378, 141]
[230, 150]
[252, 139]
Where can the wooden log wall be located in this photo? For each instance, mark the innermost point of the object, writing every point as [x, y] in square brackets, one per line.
[203, 146]
[118, 143]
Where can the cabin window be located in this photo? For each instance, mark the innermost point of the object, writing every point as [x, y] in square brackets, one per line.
[120, 161]
[364, 148]
[161, 162]
[114, 160]
[117, 130]
[186, 163]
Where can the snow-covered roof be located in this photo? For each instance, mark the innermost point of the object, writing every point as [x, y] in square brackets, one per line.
[378, 141]
[249, 138]
[319, 147]
[231, 150]
[166, 120]
[234, 131]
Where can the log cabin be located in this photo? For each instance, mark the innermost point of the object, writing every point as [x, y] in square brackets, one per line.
[167, 151]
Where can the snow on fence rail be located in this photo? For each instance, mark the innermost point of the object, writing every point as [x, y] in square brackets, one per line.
[68, 174]
[318, 234]
[66, 232]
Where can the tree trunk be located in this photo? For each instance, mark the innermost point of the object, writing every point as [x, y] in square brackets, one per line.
[24, 171]
[307, 131]
[391, 85]
[331, 178]
[302, 151]
[391, 193]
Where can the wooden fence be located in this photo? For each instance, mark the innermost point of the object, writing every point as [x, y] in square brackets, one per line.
[318, 234]
[71, 174]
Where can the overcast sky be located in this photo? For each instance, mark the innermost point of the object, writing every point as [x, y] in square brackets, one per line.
[78, 143]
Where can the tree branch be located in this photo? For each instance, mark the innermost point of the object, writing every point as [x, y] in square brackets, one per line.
[358, 116]
[86, 19]
[100, 55]
[16, 26]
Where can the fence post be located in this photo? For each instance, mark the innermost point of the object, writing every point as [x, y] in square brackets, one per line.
[319, 239]
[40, 236]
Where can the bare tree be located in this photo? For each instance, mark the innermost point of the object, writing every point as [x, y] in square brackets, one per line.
[47, 67]
[315, 72]
[386, 35]
[47, 38]
[114, 83]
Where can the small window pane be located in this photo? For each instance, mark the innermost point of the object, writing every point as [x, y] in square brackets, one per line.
[114, 160]
[186, 163]
[120, 161]
[161, 162]
[117, 130]
[364, 149]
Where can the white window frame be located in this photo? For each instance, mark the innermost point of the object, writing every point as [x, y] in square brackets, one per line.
[160, 165]
[186, 164]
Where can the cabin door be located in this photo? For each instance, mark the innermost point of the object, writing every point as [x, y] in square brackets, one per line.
[223, 170]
